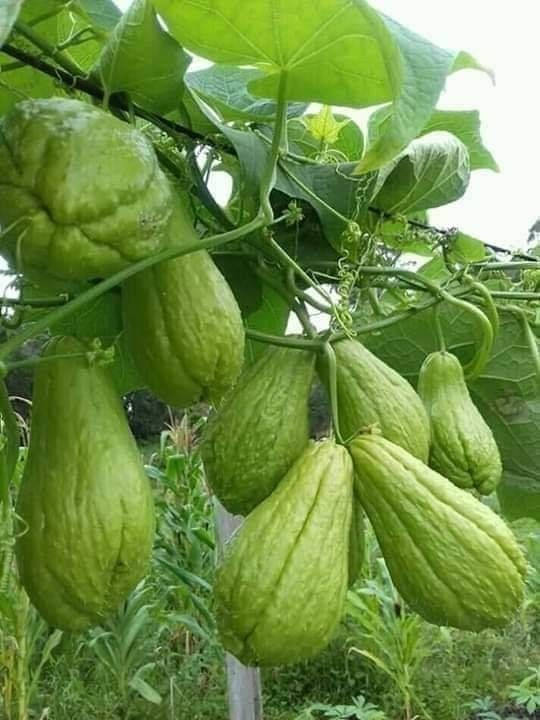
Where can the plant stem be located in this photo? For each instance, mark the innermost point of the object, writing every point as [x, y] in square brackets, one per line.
[288, 261]
[42, 324]
[332, 387]
[48, 49]
[284, 341]
[280, 134]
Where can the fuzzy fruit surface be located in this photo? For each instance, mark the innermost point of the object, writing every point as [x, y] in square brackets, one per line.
[463, 448]
[453, 559]
[281, 585]
[82, 191]
[370, 393]
[183, 325]
[85, 500]
[260, 430]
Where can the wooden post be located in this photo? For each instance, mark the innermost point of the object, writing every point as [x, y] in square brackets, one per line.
[243, 683]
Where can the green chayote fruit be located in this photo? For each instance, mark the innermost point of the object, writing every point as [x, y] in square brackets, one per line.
[85, 501]
[282, 582]
[463, 448]
[369, 392]
[260, 429]
[452, 559]
[81, 190]
[183, 325]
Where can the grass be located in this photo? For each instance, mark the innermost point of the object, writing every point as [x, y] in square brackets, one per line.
[159, 658]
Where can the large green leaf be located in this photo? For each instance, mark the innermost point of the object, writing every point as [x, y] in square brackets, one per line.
[418, 82]
[225, 87]
[8, 14]
[433, 171]
[338, 52]
[464, 124]
[507, 392]
[143, 60]
[334, 51]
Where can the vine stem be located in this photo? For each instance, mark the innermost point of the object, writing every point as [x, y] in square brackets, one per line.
[289, 262]
[42, 324]
[285, 341]
[529, 336]
[280, 136]
[46, 47]
[312, 194]
[332, 387]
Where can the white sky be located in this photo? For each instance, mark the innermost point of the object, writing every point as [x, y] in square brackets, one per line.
[498, 208]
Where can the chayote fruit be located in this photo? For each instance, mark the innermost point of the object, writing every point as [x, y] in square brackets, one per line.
[357, 542]
[182, 323]
[260, 430]
[369, 392]
[85, 501]
[81, 190]
[281, 585]
[452, 558]
[463, 448]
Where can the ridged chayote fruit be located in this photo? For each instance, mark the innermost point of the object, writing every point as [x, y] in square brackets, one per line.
[260, 430]
[452, 558]
[372, 393]
[281, 585]
[82, 191]
[85, 501]
[183, 325]
[463, 448]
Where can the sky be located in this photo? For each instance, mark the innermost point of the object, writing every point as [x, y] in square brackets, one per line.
[498, 208]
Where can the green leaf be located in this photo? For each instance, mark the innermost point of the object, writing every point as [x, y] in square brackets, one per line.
[225, 88]
[271, 317]
[101, 318]
[335, 185]
[433, 171]
[326, 47]
[464, 124]
[348, 146]
[123, 371]
[145, 690]
[466, 249]
[506, 393]
[324, 127]
[519, 497]
[59, 22]
[8, 14]
[143, 60]
[103, 14]
[418, 78]
[243, 281]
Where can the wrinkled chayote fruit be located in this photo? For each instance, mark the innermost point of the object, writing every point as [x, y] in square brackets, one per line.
[85, 501]
[463, 448]
[281, 586]
[81, 192]
[260, 429]
[370, 393]
[183, 326]
[453, 559]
